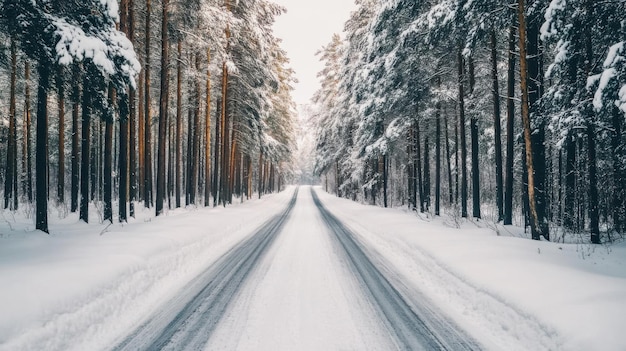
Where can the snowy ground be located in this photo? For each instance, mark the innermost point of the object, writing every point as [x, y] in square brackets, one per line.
[87, 286]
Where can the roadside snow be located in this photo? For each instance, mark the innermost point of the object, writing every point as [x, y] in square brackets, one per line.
[510, 293]
[86, 286]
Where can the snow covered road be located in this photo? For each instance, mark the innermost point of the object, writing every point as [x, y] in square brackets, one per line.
[186, 323]
[303, 271]
[314, 288]
[416, 327]
[303, 297]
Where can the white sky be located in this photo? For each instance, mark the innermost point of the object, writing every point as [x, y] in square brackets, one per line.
[305, 28]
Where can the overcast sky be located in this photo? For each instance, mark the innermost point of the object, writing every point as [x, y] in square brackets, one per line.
[305, 28]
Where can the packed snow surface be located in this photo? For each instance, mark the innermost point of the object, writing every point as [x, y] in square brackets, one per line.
[87, 286]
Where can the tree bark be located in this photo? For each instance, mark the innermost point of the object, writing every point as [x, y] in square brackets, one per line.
[474, 142]
[41, 157]
[108, 167]
[85, 141]
[532, 201]
[496, 125]
[438, 158]
[510, 130]
[460, 63]
[179, 122]
[448, 160]
[147, 113]
[61, 168]
[10, 182]
[27, 158]
[534, 82]
[207, 132]
[426, 170]
[163, 110]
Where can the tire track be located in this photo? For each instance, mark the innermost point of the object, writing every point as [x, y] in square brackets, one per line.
[417, 328]
[187, 322]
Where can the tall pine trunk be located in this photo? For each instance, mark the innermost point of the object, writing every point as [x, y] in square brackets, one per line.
[460, 63]
[534, 82]
[85, 147]
[108, 168]
[132, 115]
[179, 122]
[163, 111]
[437, 158]
[496, 125]
[207, 132]
[510, 129]
[76, 96]
[26, 149]
[448, 160]
[61, 168]
[530, 167]
[41, 157]
[474, 141]
[10, 182]
[147, 115]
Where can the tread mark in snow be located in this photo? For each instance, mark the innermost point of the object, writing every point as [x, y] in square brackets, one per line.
[414, 330]
[187, 324]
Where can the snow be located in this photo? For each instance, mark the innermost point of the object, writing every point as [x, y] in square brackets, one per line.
[302, 297]
[85, 286]
[510, 293]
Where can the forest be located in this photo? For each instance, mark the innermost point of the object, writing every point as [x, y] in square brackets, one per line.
[505, 111]
[111, 106]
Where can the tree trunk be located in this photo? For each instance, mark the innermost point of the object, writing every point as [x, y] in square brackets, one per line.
[75, 146]
[85, 147]
[426, 170]
[460, 63]
[10, 182]
[448, 159]
[147, 115]
[41, 157]
[217, 150]
[260, 189]
[163, 110]
[190, 137]
[207, 133]
[418, 161]
[534, 80]
[225, 120]
[438, 158]
[108, 168]
[532, 201]
[27, 158]
[510, 132]
[474, 141]
[619, 172]
[179, 122]
[411, 171]
[385, 179]
[61, 168]
[141, 138]
[123, 158]
[496, 126]
[132, 107]
[594, 216]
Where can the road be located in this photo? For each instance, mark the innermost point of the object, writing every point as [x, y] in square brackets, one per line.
[303, 281]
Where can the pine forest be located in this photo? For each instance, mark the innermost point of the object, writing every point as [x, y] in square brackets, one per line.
[108, 106]
[505, 111]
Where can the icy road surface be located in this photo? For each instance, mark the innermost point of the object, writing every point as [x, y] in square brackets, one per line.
[300, 282]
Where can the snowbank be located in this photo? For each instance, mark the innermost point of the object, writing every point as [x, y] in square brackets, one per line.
[510, 293]
[87, 285]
